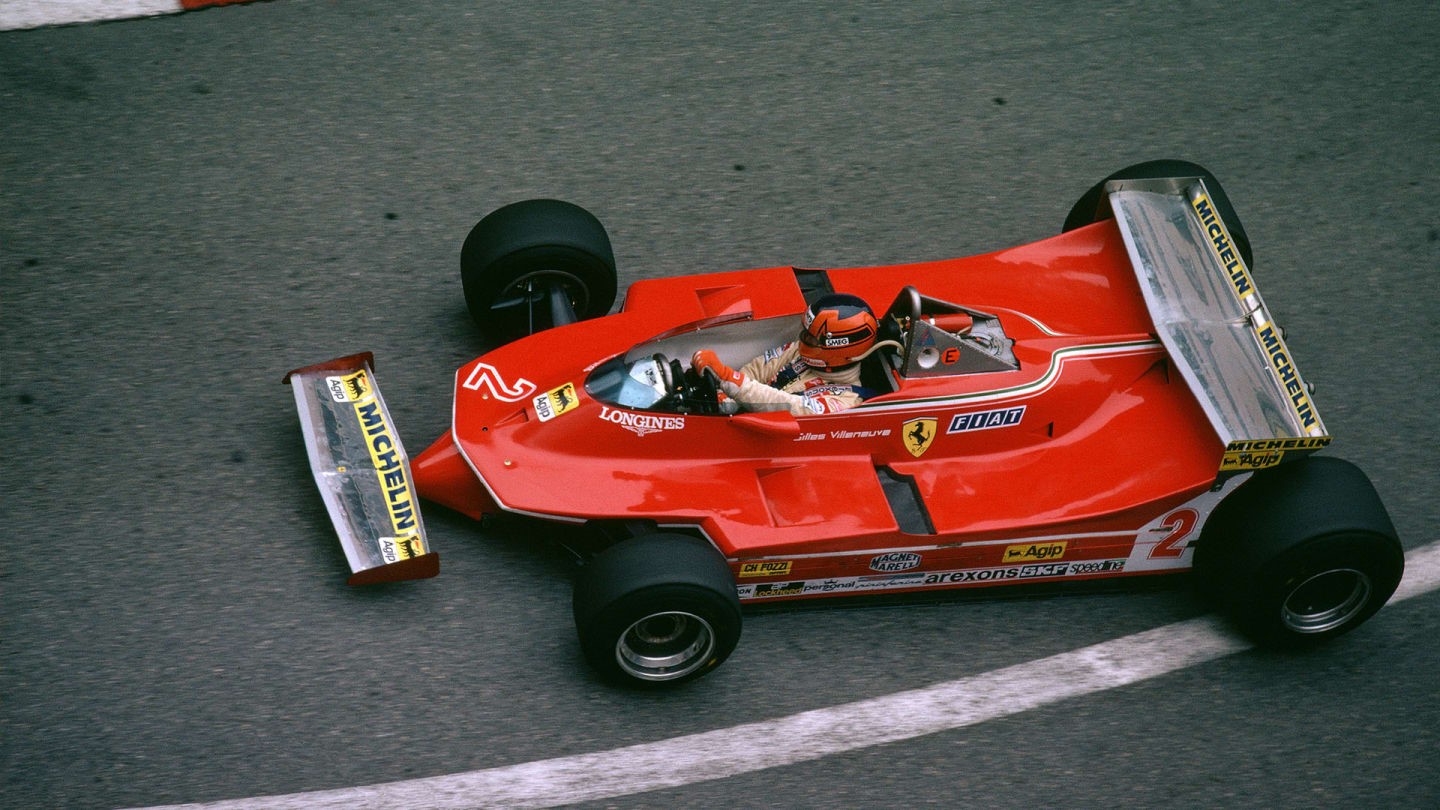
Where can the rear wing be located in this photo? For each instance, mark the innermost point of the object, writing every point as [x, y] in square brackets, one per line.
[362, 471]
[1214, 324]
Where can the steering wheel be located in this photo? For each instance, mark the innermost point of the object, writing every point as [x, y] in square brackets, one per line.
[686, 390]
[707, 390]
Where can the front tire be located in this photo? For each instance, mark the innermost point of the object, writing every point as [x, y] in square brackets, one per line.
[657, 609]
[1301, 554]
[519, 255]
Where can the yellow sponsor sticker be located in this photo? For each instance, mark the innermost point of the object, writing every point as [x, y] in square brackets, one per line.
[556, 402]
[1259, 454]
[390, 469]
[1225, 250]
[1034, 552]
[349, 388]
[1289, 378]
[765, 568]
[1250, 460]
[395, 549]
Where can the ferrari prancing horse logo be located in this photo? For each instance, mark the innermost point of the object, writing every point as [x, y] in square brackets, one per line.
[918, 434]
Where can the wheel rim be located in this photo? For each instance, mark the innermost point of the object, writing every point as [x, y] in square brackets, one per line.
[531, 288]
[665, 646]
[1326, 600]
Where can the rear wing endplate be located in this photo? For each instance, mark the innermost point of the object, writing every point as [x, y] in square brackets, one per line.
[362, 471]
[1214, 324]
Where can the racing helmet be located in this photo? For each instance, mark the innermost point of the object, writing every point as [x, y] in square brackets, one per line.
[839, 330]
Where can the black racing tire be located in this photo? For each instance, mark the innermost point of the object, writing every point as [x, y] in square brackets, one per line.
[1089, 208]
[1301, 553]
[657, 610]
[518, 252]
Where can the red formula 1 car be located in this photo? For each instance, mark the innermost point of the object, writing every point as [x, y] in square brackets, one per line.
[1111, 402]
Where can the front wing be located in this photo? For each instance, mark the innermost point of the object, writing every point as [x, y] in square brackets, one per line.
[362, 471]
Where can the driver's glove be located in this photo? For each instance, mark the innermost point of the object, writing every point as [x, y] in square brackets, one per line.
[706, 358]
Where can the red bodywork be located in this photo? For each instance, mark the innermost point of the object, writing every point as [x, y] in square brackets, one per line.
[1107, 471]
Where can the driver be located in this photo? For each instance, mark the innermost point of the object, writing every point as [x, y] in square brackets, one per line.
[819, 373]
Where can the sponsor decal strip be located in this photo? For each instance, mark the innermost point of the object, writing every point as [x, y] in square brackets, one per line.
[895, 561]
[1261, 453]
[386, 459]
[389, 468]
[932, 579]
[641, 424]
[764, 568]
[986, 420]
[1027, 552]
[1060, 539]
[1219, 238]
[1266, 333]
[1295, 389]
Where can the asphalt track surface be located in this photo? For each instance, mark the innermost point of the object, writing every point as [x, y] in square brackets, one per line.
[192, 205]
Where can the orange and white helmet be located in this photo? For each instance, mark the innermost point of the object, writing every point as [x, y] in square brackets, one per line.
[839, 331]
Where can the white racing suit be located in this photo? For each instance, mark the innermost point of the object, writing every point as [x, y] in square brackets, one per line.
[779, 380]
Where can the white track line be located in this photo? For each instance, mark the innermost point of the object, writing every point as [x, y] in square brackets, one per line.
[15, 14]
[22, 14]
[814, 734]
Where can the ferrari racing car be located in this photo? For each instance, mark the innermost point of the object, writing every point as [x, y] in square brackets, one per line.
[1114, 401]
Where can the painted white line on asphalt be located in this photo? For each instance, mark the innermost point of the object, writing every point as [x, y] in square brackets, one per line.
[815, 734]
[1422, 573]
[16, 14]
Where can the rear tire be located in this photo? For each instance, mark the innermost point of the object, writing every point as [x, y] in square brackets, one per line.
[1091, 208]
[1300, 554]
[517, 254]
[656, 610]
